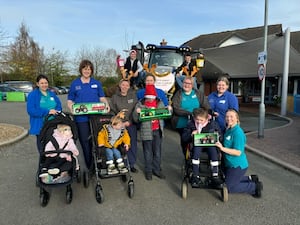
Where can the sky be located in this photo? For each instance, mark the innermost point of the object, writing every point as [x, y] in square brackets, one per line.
[71, 25]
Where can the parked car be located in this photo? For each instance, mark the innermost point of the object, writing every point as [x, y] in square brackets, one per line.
[56, 90]
[4, 89]
[65, 89]
[23, 86]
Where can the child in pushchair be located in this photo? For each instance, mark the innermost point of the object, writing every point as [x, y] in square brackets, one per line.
[112, 136]
[58, 162]
[110, 145]
[202, 132]
[56, 166]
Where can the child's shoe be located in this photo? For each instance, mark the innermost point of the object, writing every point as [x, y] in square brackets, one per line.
[196, 182]
[122, 168]
[53, 171]
[111, 169]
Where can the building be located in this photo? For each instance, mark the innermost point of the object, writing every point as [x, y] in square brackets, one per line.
[236, 52]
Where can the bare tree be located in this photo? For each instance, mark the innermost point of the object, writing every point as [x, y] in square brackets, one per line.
[104, 60]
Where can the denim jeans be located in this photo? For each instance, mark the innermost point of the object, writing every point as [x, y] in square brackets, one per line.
[112, 153]
[152, 153]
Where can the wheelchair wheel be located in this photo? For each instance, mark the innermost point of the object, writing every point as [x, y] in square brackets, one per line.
[44, 197]
[224, 194]
[130, 189]
[69, 194]
[184, 188]
[99, 194]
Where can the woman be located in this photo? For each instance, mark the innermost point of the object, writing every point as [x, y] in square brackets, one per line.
[82, 90]
[222, 100]
[125, 100]
[235, 159]
[40, 103]
[185, 101]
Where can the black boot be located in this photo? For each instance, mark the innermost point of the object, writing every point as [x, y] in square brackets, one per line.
[196, 182]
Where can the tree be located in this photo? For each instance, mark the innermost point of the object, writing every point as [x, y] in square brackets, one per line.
[104, 61]
[55, 67]
[3, 48]
[24, 56]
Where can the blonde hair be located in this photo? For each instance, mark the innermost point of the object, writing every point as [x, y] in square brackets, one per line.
[118, 118]
[236, 114]
[62, 127]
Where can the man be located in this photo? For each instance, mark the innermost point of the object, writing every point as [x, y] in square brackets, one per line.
[134, 69]
[188, 68]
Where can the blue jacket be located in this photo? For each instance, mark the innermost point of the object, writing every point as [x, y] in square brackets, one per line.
[36, 113]
[221, 104]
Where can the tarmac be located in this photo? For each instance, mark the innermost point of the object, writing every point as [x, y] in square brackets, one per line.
[279, 143]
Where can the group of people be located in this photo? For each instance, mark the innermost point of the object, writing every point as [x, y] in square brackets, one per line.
[190, 109]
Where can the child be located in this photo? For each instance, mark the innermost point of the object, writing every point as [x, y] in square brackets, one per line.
[151, 133]
[200, 123]
[111, 136]
[54, 165]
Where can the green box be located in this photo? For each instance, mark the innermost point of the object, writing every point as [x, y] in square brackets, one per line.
[150, 114]
[15, 96]
[89, 108]
[206, 139]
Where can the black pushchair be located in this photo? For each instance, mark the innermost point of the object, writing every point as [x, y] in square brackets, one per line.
[99, 166]
[53, 169]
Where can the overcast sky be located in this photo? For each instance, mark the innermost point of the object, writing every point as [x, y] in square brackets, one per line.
[69, 25]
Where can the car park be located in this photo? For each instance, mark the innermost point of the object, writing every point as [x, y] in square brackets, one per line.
[23, 86]
[4, 89]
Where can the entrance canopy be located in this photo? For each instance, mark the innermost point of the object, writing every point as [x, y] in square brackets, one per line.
[240, 60]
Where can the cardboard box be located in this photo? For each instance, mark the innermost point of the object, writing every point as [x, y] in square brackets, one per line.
[206, 139]
[150, 114]
[89, 108]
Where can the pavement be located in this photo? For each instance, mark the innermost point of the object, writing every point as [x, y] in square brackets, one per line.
[280, 142]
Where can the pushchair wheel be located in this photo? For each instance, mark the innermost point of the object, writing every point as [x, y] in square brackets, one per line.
[99, 194]
[184, 188]
[224, 194]
[85, 179]
[69, 195]
[44, 197]
[130, 189]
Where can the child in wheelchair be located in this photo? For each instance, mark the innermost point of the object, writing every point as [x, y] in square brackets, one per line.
[201, 123]
[111, 137]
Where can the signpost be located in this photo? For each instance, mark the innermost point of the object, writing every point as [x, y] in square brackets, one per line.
[261, 71]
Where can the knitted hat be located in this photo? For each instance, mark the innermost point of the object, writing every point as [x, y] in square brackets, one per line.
[150, 91]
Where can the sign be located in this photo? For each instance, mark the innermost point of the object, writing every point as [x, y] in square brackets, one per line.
[261, 71]
[262, 58]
